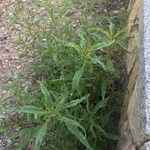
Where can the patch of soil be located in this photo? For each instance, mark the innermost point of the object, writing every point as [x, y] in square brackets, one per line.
[10, 63]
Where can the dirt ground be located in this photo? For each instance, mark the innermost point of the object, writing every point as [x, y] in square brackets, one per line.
[10, 64]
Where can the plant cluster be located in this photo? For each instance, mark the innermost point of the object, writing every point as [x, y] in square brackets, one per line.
[74, 73]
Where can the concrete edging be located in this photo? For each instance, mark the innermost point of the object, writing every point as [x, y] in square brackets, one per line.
[135, 117]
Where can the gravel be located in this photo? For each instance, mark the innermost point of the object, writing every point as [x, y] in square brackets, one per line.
[10, 64]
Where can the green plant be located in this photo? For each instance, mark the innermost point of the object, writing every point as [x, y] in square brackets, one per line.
[73, 70]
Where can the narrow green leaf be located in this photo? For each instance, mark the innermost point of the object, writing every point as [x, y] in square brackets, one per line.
[59, 103]
[83, 41]
[30, 110]
[44, 90]
[112, 136]
[75, 46]
[101, 46]
[103, 31]
[25, 139]
[100, 105]
[96, 47]
[92, 130]
[123, 46]
[47, 97]
[103, 90]
[40, 136]
[76, 102]
[99, 128]
[121, 32]
[73, 123]
[54, 94]
[97, 36]
[77, 133]
[77, 78]
[110, 66]
[96, 60]
[112, 29]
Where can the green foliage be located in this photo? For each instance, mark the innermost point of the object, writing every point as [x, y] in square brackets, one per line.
[74, 71]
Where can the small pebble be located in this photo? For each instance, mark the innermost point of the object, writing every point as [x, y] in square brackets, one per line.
[17, 129]
[2, 37]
